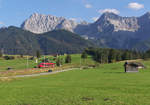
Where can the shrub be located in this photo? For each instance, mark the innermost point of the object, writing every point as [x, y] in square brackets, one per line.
[38, 54]
[9, 57]
[58, 62]
[46, 60]
[31, 58]
[68, 59]
[21, 55]
[84, 55]
[1, 54]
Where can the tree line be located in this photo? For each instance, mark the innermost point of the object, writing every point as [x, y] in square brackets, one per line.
[107, 55]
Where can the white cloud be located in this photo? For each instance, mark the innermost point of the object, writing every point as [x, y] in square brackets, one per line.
[88, 6]
[95, 18]
[135, 6]
[115, 11]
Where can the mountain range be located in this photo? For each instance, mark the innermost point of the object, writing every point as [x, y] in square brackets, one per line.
[15, 40]
[110, 30]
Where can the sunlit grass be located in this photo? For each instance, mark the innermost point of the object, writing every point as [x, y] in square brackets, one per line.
[105, 85]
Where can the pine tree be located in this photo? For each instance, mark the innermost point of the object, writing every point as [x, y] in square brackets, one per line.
[84, 55]
[147, 54]
[126, 55]
[38, 54]
[58, 62]
[68, 59]
[1, 54]
[112, 56]
[118, 56]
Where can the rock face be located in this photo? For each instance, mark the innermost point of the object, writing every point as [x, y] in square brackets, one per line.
[119, 23]
[110, 30]
[111, 23]
[38, 23]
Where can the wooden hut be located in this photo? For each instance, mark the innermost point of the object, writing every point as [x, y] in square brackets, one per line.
[133, 66]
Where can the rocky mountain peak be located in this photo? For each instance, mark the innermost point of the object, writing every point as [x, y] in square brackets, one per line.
[110, 15]
[146, 16]
[118, 23]
[148, 13]
[106, 17]
[107, 23]
[38, 23]
[84, 23]
[34, 15]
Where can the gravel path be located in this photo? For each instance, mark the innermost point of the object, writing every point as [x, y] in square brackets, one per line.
[34, 75]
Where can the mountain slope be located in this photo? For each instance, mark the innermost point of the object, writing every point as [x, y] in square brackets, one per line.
[114, 31]
[110, 30]
[17, 41]
[63, 41]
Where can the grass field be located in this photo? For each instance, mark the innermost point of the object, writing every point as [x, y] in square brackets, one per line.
[21, 63]
[16, 64]
[105, 85]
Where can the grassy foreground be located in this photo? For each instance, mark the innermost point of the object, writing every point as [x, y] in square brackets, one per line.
[106, 85]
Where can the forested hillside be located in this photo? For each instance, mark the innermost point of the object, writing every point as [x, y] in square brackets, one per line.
[17, 41]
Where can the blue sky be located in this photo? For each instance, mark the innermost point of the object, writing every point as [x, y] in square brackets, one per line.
[14, 12]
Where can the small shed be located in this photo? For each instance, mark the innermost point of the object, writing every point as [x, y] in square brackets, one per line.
[133, 66]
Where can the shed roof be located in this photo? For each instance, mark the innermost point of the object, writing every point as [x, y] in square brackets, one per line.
[134, 64]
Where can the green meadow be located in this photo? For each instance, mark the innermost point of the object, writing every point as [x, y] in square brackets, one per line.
[16, 64]
[104, 85]
[22, 63]
[25, 63]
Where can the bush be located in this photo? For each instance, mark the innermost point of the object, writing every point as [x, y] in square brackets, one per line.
[21, 55]
[38, 54]
[9, 68]
[31, 58]
[68, 59]
[46, 60]
[97, 64]
[84, 55]
[1, 54]
[9, 57]
[58, 62]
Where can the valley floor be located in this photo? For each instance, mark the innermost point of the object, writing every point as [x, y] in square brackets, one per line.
[105, 85]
